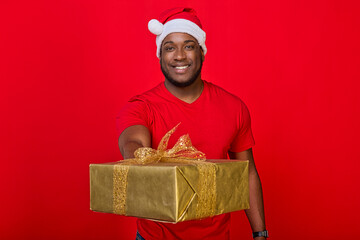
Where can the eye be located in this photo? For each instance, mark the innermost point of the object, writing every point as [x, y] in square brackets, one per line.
[168, 49]
[189, 47]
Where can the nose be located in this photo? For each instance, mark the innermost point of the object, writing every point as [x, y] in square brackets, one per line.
[180, 54]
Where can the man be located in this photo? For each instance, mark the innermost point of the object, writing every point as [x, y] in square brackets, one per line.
[217, 122]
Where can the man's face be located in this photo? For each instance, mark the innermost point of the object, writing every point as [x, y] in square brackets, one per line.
[181, 59]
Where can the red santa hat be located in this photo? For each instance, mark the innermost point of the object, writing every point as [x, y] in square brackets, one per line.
[182, 20]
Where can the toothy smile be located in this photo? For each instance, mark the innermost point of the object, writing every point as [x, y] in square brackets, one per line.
[182, 67]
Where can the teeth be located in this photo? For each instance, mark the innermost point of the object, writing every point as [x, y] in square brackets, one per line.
[183, 67]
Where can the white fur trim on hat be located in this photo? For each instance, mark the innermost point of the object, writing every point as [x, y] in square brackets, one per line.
[176, 25]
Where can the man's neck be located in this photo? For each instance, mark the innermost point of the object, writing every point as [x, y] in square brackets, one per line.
[187, 94]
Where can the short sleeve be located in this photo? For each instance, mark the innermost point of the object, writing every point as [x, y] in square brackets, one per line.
[244, 138]
[135, 112]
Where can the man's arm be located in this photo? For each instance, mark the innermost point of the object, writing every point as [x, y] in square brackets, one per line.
[255, 214]
[133, 138]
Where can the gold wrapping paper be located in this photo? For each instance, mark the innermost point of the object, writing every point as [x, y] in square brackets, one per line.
[175, 185]
[169, 192]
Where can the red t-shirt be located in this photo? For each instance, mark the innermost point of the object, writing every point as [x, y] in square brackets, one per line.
[217, 122]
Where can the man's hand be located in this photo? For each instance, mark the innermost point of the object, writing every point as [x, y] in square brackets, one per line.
[133, 138]
[255, 214]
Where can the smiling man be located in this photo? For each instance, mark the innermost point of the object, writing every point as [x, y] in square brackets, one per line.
[218, 122]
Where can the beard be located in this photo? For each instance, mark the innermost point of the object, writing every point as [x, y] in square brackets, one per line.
[190, 81]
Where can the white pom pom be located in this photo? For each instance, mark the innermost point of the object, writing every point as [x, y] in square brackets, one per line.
[155, 27]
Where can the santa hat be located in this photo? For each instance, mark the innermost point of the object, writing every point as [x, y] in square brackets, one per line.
[183, 20]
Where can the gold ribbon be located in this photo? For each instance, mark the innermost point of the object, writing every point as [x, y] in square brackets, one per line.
[182, 152]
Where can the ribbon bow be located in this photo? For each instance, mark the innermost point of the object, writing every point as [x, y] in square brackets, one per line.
[183, 150]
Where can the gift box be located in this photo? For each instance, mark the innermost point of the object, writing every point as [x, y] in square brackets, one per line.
[170, 191]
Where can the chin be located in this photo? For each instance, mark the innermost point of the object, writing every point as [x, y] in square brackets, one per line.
[181, 83]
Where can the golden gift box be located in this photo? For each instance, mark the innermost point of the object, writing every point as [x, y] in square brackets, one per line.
[170, 192]
[170, 185]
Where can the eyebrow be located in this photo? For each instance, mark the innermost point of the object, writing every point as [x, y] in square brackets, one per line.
[167, 42]
[186, 41]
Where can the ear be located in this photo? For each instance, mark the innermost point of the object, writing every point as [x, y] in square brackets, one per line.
[202, 54]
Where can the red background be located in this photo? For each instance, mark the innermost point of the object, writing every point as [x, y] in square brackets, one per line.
[67, 67]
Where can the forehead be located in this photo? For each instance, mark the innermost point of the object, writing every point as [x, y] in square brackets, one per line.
[178, 37]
